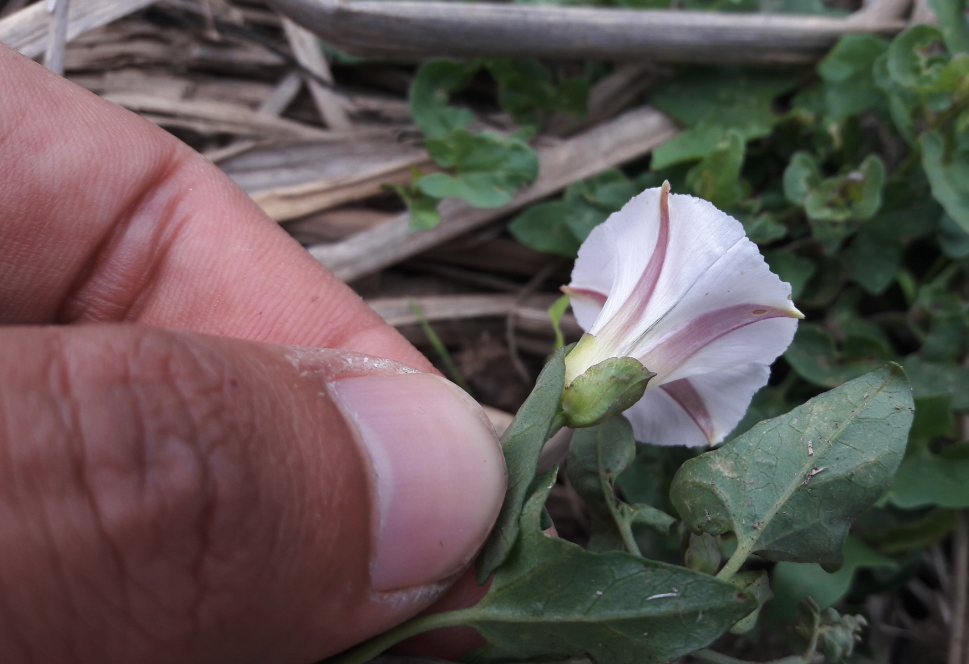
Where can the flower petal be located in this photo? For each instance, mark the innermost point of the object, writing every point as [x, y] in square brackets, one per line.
[586, 304]
[697, 411]
[615, 255]
[699, 237]
[738, 279]
[720, 339]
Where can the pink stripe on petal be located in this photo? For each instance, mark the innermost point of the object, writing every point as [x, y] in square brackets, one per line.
[632, 310]
[594, 295]
[683, 393]
[672, 352]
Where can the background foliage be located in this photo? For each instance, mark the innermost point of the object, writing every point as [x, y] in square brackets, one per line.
[854, 180]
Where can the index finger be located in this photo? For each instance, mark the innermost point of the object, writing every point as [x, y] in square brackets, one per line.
[105, 217]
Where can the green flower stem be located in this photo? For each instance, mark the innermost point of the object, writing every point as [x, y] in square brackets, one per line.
[717, 658]
[369, 649]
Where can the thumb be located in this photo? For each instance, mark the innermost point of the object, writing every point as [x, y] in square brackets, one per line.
[168, 496]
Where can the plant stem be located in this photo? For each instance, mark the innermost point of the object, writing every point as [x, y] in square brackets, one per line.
[718, 658]
[625, 527]
[733, 565]
[441, 349]
[369, 649]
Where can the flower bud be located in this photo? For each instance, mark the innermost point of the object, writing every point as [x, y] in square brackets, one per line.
[603, 390]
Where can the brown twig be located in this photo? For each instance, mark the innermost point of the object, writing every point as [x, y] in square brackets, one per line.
[26, 31]
[481, 29]
[307, 52]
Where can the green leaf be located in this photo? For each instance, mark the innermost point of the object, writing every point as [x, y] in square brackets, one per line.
[597, 456]
[789, 488]
[801, 177]
[874, 263]
[768, 402]
[542, 227]
[431, 92]
[953, 239]
[702, 552]
[791, 268]
[933, 417]
[856, 195]
[904, 104]
[553, 599]
[847, 73]
[946, 164]
[590, 202]
[794, 581]
[757, 585]
[929, 378]
[489, 168]
[829, 632]
[422, 208]
[732, 98]
[536, 421]
[815, 358]
[933, 479]
[525, 88]
[717, 177]
[910, 534]
[952, 22]
[647, 479]
[947, 337]
[954, 77]
[913, 59]
[694, 143]
[604, 390]
[763, 228]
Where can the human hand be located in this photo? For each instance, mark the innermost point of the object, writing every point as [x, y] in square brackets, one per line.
[188, 488]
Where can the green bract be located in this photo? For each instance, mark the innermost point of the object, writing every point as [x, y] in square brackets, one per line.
[604, 390]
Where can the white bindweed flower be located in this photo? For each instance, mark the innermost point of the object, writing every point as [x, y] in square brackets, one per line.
[674, 282]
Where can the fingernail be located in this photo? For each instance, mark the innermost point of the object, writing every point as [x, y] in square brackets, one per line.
[438, 471]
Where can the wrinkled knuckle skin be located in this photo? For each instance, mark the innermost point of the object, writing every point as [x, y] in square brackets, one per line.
[147, 531]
